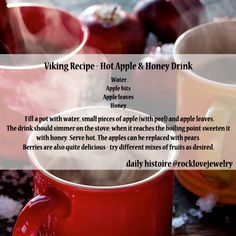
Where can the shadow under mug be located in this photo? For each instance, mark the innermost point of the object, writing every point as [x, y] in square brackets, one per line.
[198, 94]
[61, 207]
[37, 29]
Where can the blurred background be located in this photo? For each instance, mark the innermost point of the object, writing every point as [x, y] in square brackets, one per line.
[215, 8]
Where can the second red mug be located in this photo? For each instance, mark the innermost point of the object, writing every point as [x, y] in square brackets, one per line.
[138, 207]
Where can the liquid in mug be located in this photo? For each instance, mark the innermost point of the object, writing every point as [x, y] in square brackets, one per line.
[103, 177]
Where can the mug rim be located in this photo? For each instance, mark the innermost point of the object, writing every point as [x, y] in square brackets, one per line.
[63, 57]
[195, 76]
[157, 174]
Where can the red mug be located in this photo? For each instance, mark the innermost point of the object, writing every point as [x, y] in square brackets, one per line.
[39, 26]
[64, 208]
[60, 207]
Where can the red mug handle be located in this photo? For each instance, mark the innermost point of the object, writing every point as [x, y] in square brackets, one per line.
[37, 210]
[32, 215]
